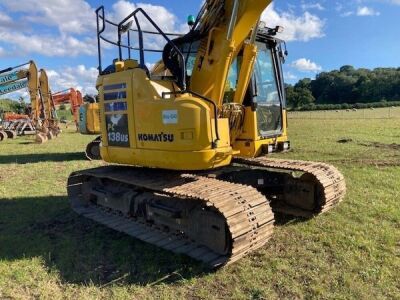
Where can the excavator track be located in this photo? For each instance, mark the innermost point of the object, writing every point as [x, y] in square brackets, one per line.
[246, 213]
[327, 182]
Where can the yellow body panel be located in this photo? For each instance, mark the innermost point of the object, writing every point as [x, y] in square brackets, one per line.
[93, 118]
[173, 133]
[210, 79]
[250, 143]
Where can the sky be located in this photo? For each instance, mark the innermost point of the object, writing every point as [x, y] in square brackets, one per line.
[60, 35]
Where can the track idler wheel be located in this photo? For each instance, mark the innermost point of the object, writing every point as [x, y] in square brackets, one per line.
[41, 138]
[3, 135]
[11, 134]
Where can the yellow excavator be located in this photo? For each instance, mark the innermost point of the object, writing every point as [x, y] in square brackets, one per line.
[89, 124]
[42, 117]
[189, 141]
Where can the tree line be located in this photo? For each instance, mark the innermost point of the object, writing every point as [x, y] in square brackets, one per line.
[346, 88]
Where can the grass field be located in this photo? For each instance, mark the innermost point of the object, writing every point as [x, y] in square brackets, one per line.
[376, 113]
[353, 252]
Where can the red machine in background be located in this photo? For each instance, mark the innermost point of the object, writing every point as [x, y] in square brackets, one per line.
[71, 96]
[10, 116]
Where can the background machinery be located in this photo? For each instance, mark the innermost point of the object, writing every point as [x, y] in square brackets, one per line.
[16, 124]
[86, 117]
[194, 135]
[72, 97]
[89, 124]
[42, 116]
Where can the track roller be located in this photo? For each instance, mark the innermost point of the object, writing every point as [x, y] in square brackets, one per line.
[3, 135]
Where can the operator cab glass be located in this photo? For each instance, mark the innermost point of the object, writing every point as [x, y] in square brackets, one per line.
[268, 93]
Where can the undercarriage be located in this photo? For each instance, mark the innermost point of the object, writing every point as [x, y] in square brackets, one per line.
[215, 216]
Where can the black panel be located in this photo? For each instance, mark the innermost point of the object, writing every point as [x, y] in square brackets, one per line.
[115, 96]
[117, 86]
[117, 130]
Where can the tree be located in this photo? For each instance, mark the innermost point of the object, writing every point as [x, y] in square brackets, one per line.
[298, 97]
[350, 85]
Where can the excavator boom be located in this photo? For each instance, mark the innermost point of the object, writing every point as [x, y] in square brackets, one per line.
[43, 118]
[74, 98]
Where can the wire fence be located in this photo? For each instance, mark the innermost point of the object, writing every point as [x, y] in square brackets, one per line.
[370, 113]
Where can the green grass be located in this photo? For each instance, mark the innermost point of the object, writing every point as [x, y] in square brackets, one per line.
[353, 252]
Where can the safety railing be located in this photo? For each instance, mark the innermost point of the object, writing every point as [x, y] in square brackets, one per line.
[123, 27]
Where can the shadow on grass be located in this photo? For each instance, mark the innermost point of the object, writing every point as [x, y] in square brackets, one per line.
[282, 219]
[82, 251]
[41, 157]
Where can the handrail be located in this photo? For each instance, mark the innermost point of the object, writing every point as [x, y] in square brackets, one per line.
[101, 26]
[144, 31]
[141, 51]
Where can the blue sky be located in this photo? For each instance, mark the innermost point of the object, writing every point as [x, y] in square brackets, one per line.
[321, 35]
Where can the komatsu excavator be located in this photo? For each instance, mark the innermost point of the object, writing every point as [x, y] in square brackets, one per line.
[43, 118]
[190, 139]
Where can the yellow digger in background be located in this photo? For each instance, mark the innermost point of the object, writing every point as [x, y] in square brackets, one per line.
[190, 139]
[42, 116]
[89, 124]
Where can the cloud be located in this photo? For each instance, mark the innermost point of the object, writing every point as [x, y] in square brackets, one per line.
[306, 65]
[48, 45]
[167, 21]
[297, 28]
[2, 52]
[289, 76]
[69, 16]
[347, 14]
[307, 6]
[367, 11]
[79, 77]
[68, 26]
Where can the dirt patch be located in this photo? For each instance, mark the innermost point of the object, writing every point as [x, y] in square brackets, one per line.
[381, 145]
[381, 163]
[370, 144]
[344, 140]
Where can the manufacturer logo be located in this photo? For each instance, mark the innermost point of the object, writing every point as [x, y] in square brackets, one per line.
[161, 137]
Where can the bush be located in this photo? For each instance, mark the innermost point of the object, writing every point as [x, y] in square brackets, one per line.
[311, 107]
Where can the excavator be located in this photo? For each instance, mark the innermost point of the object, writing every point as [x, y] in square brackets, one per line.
[43, 117]
[86, 117]
[189, 143]
[72, 97]
[16, 124]
[89, 124]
